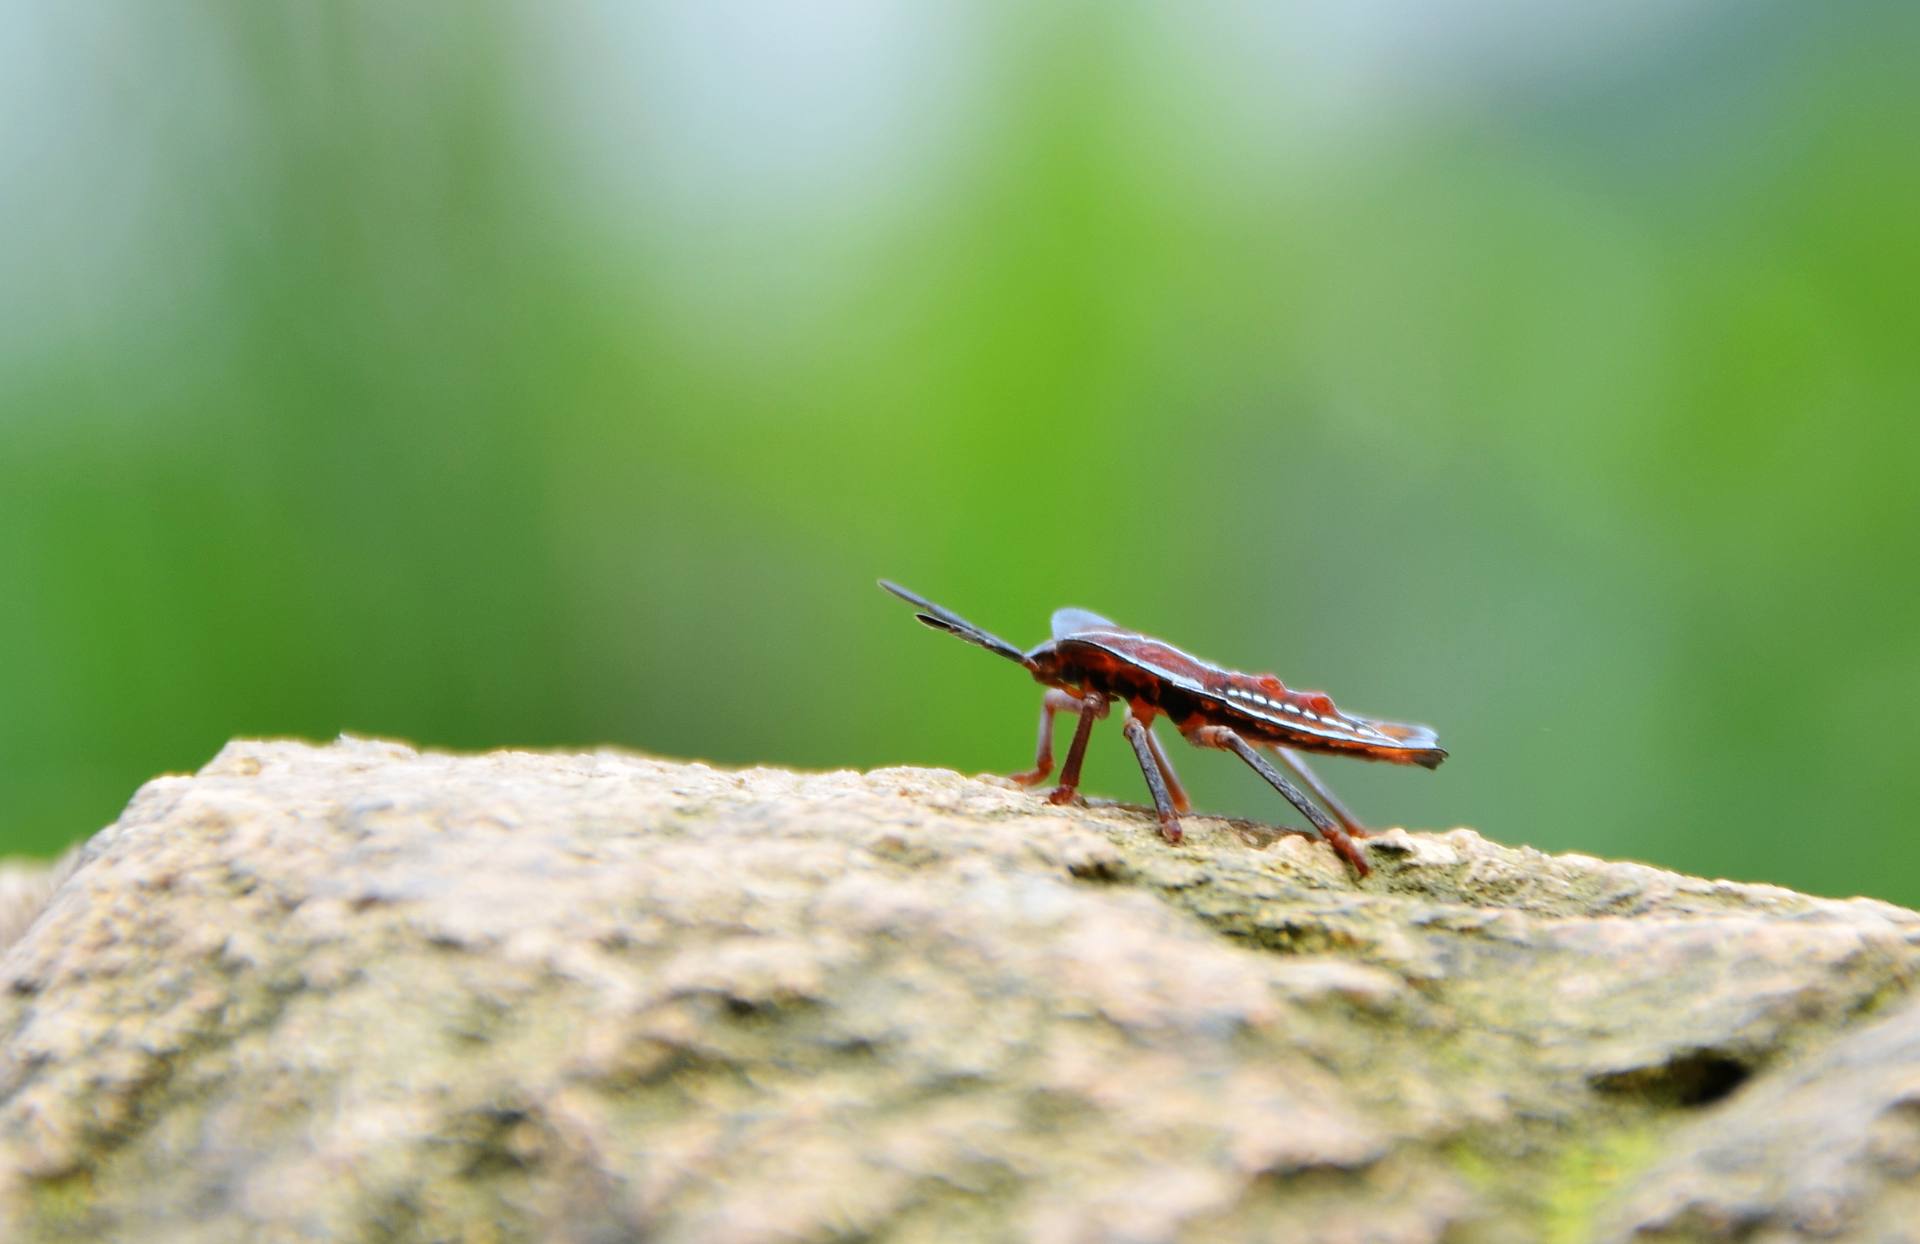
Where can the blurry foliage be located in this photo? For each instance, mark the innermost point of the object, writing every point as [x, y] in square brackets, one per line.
[564, 376]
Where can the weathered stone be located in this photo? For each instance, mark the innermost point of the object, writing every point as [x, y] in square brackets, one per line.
[362, 992]
[25, 887]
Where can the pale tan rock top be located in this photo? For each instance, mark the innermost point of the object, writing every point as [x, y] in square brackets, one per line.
[359, 992]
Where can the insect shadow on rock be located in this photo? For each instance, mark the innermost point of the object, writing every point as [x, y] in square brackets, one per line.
[1092, 662]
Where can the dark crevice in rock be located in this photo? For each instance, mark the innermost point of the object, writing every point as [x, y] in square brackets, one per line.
[1690, 1079]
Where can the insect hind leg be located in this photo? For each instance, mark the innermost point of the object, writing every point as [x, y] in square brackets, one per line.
[1324, 793]
[1228, 740]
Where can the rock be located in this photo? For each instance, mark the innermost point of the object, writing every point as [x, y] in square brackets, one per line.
[25, 887]
[363, 992]
[1827, 1148]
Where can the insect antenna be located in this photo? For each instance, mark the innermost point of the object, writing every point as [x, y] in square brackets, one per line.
[942, 619]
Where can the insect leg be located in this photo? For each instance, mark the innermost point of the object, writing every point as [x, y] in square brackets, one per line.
[1228, 740]
[1165, 765]
[1054, 702]
[1148, 752]
[1092, 709]
[1321, 790]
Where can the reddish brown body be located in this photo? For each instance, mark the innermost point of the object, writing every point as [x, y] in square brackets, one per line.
[1091, 662]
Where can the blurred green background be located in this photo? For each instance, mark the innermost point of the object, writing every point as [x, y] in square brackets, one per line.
[563, 375]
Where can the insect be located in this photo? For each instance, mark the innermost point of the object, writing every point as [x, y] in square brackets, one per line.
[1092, 662]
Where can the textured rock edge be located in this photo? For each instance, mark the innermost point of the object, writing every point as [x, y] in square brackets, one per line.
[1629, 1166]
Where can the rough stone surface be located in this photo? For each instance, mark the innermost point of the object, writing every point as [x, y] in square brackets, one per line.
[25, 887]
[359, 992]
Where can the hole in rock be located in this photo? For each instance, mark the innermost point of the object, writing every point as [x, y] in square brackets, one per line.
[1694, 1078]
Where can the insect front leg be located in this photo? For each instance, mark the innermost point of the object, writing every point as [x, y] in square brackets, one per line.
[1227, 740]
[1053, 702]
[1321, 790]
[1092, 708]
[1146, 749]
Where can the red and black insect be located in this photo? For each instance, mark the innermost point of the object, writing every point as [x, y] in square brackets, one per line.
[1091, 662]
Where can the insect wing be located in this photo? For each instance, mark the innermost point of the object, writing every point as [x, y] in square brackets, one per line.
[1075, 621]
[1405, 734]
[1405, 742]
